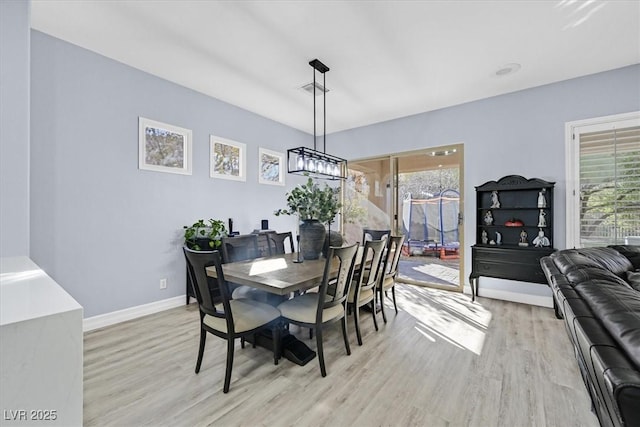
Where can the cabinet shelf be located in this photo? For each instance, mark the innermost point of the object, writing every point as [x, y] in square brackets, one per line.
[512, 228]
[519, 198]
[512, 208]
[515, 247]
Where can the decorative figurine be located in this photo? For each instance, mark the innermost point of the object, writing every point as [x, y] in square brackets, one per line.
[488, 218]
[484, 238]
[498, 238]
[523, 238]
[495, 203]
[542, 221]
[542, 201]
[541, 240]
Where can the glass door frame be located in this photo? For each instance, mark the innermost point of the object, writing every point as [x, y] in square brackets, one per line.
[394, 215]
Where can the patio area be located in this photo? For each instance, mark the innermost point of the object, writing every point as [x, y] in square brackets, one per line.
[430, 269]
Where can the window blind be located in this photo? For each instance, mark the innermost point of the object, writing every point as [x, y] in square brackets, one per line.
[609, 164]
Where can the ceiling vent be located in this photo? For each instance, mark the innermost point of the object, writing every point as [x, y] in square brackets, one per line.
[319, 88]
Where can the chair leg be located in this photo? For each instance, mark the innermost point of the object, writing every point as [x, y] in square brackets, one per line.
[323, 369]
[356, 319]
[393, 293]
[241, 342]
[310, 333]
[344, 335]
[227, 374]
[203, 339]
[373, 313]
[276, 343]
[384, 315]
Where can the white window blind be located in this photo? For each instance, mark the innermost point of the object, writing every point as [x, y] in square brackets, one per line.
[609, 186]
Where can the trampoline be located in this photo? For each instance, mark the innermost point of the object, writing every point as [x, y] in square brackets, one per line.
[431, 225]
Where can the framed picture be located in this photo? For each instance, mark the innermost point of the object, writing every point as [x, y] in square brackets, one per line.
[163, 147]
[270, 167]
[228, 159]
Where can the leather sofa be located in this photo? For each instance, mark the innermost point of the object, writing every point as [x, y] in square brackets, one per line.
[597, 293]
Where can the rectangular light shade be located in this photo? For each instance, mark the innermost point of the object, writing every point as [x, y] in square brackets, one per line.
[305, 161]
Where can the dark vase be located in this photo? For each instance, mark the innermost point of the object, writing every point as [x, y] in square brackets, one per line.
[332, 239]
[312, 234]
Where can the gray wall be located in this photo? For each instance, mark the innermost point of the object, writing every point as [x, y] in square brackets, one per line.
[108, 232]
[14, 127]
[102, 228]
[521, 133]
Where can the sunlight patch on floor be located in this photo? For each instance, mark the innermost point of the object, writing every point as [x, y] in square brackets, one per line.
[442, 272]
[447, 316]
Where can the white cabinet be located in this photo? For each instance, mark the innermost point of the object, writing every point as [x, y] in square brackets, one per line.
[41, 346]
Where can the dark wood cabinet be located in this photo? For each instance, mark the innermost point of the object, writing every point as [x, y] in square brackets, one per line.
[514, 229]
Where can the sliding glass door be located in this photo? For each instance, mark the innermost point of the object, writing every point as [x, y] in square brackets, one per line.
[417, 194]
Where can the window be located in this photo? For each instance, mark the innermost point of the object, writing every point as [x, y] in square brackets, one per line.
[603, 181]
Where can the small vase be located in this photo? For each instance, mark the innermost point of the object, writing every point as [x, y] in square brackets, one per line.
[312, 233]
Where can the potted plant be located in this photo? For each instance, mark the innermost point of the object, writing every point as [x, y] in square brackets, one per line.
[315, 206]
[204, 236]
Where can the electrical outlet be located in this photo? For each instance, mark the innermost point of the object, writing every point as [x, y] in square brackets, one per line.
[163, 283]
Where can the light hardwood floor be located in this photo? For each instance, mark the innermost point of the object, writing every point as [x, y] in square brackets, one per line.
[442, 361]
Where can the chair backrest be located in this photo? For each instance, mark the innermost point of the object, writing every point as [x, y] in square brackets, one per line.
[370, 234]
[264, 243]
[277, 242]
[371, 265]
[240, 248]
[209, 291]
[345, 257]
[392, 259]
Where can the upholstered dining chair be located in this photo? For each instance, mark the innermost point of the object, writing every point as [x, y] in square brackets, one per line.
[277, 243]
[317, 309]
[363, 287]
[390, 272]
[370, 234]
[225, 317]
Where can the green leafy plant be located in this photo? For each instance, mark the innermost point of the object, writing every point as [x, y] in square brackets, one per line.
[310, 201]
[204, 235]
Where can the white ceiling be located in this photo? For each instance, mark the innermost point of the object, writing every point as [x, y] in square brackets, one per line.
[388, 59]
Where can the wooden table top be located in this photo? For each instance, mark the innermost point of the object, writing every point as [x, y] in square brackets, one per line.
[277, 274]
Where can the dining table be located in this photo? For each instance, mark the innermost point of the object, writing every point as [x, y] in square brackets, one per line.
[280, 275]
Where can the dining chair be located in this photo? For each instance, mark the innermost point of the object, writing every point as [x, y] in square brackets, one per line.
[240, 248]
[317, 309]
[370, 234]
[363, 286]
[223, 316]
[277, 243]
[390, 272]
[264, 243]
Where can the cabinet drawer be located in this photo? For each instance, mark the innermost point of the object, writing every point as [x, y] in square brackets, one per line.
[524, 272]
[514, 264]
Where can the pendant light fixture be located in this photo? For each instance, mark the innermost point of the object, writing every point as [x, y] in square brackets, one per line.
[307, 161]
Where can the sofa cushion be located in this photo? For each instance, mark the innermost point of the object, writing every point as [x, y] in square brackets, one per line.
[608, 258]
[570, 259]
[631, 252]
[618, 310]
[633, 278]
[594, 273]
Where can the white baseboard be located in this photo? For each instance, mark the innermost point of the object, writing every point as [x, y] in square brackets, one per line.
[539, 300]
[524, 298]
[108, 319]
